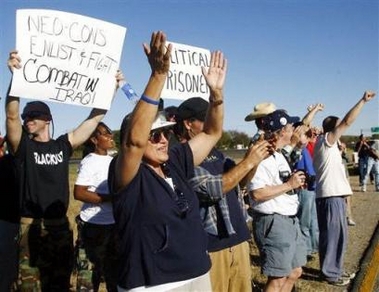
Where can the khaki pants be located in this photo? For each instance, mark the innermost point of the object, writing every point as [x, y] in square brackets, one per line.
[231, 269]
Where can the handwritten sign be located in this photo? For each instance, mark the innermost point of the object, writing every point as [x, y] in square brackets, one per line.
[66, 58]
[185, 78]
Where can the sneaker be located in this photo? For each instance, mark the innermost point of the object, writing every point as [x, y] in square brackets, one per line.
[363, 189]
[340, 282]
[349, 276]
[350, 222]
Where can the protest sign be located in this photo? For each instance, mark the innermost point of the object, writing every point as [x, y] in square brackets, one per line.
[66, 58]
[185, 78]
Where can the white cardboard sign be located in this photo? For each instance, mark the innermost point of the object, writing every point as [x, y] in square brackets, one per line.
[66, 58]
[185, 78]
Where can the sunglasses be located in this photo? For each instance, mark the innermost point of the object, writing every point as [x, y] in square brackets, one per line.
[34, 115]
[156, 135]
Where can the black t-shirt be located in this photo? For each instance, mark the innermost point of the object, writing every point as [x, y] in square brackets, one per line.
[364, 150]
[9, 206]
[44, 183]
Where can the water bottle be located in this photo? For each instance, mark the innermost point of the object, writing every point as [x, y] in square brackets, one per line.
[130, 93]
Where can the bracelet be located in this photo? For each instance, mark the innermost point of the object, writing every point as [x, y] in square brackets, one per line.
[149, 100]
[216, 102]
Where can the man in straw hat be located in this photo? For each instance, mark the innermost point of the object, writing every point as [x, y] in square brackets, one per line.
[260, 110]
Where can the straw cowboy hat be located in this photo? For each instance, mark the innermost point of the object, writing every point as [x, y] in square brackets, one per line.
[261, 110]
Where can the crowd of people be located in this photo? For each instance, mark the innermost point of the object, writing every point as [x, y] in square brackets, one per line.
[168, 211]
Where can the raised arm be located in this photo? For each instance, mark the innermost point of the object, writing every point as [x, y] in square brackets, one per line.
[202, 143]
[312, 110]
[287, 150]
[135, 136]
[78, 136]
[12, 108]
[349, 118]
[246, 168]
[211, 188]
[84, 130]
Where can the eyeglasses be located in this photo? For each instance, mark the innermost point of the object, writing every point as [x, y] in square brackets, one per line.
[156, 135]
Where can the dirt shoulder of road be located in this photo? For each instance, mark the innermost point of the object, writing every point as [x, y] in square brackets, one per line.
[365, 209]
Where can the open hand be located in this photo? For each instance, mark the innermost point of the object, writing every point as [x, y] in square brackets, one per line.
[157, 53]
[215, 76]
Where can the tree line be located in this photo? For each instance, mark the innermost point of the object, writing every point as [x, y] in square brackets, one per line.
[233, 139]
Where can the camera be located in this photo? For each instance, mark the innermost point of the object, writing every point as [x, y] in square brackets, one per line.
[310, 180]
[284, 175]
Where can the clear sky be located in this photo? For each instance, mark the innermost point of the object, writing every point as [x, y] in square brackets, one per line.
[292, 53]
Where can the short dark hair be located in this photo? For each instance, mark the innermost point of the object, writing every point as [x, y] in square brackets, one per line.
[193, 108]
[37, 109]
[89, 147]
[329, 123]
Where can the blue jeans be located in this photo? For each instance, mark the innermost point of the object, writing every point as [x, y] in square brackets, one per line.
[362, 165]
[373, 165]
[307, 215]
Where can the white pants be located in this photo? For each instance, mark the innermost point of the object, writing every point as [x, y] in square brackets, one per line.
[199, 284]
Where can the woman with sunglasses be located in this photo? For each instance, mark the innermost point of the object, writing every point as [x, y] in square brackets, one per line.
[96, 243]
[162, 241]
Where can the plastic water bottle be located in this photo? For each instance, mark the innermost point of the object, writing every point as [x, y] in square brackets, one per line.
[130, 93]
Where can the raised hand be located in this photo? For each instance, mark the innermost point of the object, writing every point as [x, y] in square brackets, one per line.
[258, 152]
[120, 79]
[317, 106]
[14, 61]
[368, 95]
[215, 75]
[157, 53]
[297, 132]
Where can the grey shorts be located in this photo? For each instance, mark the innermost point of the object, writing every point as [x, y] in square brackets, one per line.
[281, 244]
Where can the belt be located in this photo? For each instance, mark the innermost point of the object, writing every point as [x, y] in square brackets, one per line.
[44, 222]
[285, 216]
